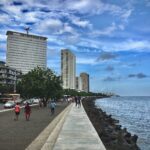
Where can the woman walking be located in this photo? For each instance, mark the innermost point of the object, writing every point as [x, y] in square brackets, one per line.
[27, 111]
[17, 111]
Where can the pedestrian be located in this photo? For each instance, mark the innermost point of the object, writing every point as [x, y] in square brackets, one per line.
[52, 106]
[17, 111]
[76, 100]
[40, 103]
[27, 111]
[79, 101]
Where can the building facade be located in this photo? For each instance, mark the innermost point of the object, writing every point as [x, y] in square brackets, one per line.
[68, 69]
[8, 75]
[26, 51]
[84, 82]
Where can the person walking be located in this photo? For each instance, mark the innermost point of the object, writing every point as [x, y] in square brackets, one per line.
[79, 101]
[17, 111]
[76, 100]
[27, 111]
[52, 106]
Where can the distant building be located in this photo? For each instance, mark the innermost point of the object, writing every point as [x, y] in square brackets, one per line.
[77, 83]
[84, 82]
[68, 69]
[25, 51]
[8, 75]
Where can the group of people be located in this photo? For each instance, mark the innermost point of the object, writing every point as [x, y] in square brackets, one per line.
[27, 111]
[51, 105]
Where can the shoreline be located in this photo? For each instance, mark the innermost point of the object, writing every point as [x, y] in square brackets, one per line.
[108, 128]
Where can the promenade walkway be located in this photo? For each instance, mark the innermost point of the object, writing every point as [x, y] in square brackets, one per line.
[77, 133]
[17, 135]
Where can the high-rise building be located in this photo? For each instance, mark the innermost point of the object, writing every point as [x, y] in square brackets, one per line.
[26, 51]
[77, 83]
[84, 82]
[68, 69]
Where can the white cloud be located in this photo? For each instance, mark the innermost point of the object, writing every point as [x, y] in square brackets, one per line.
[121, 26]
[81, 23]
[129, 45]
[2, 57]
[106, 31]
[92, 7]
[126, 14]
[30, 17]
[4, 18]
[2, 38]
[90, 61]
[55, 26]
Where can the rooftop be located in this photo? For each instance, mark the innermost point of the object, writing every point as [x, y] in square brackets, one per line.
[25, 34]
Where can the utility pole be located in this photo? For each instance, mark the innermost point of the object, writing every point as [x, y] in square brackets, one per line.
[15, 82]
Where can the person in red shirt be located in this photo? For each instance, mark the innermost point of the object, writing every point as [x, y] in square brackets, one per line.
[27, 111]
[17, 111]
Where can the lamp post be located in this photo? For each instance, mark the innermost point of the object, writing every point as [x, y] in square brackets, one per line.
[15, 83]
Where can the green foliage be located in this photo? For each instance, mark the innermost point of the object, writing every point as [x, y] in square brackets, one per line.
[40, 83]
[72, 92]
[6, 88]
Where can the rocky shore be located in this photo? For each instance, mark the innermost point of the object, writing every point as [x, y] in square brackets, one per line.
[108, 128]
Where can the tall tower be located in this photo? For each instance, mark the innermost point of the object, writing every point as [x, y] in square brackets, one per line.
[68, 69]
[26, 51]
[84, 82]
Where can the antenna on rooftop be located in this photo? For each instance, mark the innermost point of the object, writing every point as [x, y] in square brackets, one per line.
[27, 29]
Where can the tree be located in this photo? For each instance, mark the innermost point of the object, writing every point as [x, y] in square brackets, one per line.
[40, 83]
[6, 88]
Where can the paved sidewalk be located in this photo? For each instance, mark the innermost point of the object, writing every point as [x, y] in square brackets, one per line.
[78, 133]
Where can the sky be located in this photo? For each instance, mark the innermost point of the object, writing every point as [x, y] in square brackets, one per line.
[110, 38]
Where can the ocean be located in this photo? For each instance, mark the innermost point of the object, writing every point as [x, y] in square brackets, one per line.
[133, 113]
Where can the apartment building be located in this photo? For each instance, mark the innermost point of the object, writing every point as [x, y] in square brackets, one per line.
[84, 82]
[8, 75]
[68, 69]
[26, 51]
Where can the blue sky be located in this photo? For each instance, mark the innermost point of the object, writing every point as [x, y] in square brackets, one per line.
[110, 38]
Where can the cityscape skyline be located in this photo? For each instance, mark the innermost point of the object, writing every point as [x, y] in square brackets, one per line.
[111, 39]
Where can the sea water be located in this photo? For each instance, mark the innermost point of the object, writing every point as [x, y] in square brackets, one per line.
[133, 113]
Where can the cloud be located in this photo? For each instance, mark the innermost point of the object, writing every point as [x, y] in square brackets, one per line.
[81, 60]
[147, 3]
[110, 79]
[80, 23]
[106, 56]
[139, 75]
[128, 45]
[56, 27]
[105, 31]
[127, 14]
[109, 68]
[2, 56]
[90, 7]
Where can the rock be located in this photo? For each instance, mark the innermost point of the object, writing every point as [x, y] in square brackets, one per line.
[134, 138]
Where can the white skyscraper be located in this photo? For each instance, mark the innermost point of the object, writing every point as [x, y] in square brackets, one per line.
[68, 69]
[84, 82]
[26, 51]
